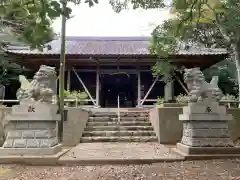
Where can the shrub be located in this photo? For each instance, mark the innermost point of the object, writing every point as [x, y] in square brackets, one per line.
[160, 100]
[182, 99]
[229, 97]
[80, 96]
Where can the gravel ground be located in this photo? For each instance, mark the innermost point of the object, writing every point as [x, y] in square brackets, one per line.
[89, 151]
[188, 170]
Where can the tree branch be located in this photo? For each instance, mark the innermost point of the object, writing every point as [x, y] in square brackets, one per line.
[226, 37]
[10, 23]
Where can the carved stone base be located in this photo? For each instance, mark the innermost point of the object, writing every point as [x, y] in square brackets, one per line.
[205, 125]
[206, 134]
[30, 151]
[188, 150]
[207, 142]
[32, 133]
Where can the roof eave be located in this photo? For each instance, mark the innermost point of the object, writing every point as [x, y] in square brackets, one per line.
[115, 55]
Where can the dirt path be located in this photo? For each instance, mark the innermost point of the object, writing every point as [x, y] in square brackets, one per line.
[189, 170]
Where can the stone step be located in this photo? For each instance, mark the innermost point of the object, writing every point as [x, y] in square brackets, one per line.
[119, 139]
[106, 119]
[124, 123]
[118, 133]
[114, 114]
[115, 128]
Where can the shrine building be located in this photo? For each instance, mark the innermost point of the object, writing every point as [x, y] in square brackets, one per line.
[108, 67]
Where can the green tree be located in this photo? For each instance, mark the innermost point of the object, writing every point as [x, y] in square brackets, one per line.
[30, 20]
[27, 22]
[21, 22]
[226, 71]
[207, 23]
[9, 70]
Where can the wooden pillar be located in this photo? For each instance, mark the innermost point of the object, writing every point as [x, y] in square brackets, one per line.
[168, 91]
[69, 79]
[97, 86]
[57, 85]
[138, 87]
[55, 98]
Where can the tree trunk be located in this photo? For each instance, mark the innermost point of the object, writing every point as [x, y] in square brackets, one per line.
[237, 59]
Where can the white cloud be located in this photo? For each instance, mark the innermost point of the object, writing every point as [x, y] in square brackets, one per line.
[100, 20]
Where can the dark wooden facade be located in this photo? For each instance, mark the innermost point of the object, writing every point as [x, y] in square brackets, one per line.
[105, 75]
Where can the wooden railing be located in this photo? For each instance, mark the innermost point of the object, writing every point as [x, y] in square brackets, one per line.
[224, 102]
[76, 101]
[118, 109]
[66, 101]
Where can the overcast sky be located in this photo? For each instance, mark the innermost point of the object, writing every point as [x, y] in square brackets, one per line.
[100, 20]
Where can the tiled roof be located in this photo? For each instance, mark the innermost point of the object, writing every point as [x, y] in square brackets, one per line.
[106, 46]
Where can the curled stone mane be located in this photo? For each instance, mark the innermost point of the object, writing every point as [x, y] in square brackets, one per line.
[43, 86]
[45, 72]
[199, 89]
[193, 74]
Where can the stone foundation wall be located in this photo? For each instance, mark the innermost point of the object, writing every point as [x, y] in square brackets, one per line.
[166, 124]
[31, 134]
[3, 122]
[205, 134]
[234, 126]
[169, 129]
[72, 128]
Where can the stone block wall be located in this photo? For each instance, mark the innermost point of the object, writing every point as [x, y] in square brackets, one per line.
[166, 124]
[169, 129]
[74, 126]
[3, 122]
[31, 134]
[234, 125]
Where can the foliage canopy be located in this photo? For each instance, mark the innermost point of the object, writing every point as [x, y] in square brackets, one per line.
[30, 20]
[202, 23]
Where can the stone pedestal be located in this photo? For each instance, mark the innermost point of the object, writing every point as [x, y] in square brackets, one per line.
[205, 130]
[32, 130]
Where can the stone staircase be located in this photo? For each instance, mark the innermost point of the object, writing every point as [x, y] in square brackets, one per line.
[104, 127]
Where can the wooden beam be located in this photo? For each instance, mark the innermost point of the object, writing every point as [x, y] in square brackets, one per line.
[57, 81]
[150, 100]
[69, 79]
[97, 62]
[85, 88]
[133, 71]
[149, 90]
[182, 85]
[118, 64]
[138, 87]
[97, 86]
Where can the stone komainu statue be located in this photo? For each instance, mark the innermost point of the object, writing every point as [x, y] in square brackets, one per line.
[199, 89]
[42, 88]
